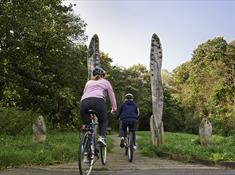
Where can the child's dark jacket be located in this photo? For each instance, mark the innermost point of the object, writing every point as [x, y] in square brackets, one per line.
[128, 111]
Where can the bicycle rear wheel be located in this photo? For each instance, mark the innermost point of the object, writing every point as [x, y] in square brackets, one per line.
[103, 154]
[84, 152]
[130, 147]
[126, 150]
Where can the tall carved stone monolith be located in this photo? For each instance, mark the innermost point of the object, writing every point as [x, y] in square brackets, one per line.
[205, 131]
[156, 123]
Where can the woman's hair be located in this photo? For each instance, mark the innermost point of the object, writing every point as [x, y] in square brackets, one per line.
[96, 77]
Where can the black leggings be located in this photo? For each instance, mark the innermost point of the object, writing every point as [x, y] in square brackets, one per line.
[97, 104]
[132, 127]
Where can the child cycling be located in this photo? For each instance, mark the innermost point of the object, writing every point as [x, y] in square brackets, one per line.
[128, 116]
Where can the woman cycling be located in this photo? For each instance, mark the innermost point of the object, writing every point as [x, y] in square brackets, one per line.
[93, 97]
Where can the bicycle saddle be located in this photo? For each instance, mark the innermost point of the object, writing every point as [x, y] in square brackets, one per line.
[92, 111]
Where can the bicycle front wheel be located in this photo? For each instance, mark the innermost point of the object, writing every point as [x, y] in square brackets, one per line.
[103, 154]
[130, 147]
[84, 155]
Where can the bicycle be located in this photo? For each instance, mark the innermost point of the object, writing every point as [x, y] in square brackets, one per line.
[88, 149]
[129, 146]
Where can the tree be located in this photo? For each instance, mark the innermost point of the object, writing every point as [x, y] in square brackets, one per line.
[39, 58]
[203, 86]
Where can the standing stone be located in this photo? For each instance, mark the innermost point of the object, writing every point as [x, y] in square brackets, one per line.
[205, 131]
[39, 130]
[93, 56]
[157, 130]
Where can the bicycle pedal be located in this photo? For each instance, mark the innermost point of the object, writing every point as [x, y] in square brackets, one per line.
[86, 160]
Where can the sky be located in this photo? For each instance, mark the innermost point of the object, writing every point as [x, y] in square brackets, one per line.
[125, 27]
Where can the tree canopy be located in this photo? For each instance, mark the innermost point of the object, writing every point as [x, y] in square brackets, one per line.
[205, 85]
[42, 68]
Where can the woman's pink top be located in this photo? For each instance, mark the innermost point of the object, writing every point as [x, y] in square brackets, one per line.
[100, 88]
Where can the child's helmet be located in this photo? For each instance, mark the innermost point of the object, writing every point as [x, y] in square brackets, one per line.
[129, 96]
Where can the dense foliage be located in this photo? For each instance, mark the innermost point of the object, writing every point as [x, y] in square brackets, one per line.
[205, 86]
[14, 122]
[43, 68]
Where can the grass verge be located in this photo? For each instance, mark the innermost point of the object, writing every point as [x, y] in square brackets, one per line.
[60, 147]
[221, 148]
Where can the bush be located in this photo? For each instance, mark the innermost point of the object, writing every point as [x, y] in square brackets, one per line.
[224, 124]
[14, 121]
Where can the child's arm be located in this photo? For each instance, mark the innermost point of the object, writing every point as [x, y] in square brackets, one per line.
[137, 112]
[119, 112]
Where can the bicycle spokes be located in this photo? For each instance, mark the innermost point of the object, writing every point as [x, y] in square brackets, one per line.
[85, 160]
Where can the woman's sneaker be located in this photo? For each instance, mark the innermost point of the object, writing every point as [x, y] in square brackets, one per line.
[86, 160]
[101, 141]
[122, 143]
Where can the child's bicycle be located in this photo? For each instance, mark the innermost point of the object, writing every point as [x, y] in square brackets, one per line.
[129, 145]
[89, 152]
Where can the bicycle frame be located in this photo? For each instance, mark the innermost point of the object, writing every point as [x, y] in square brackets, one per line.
[88, 145]
[88, 149]
[91, 131]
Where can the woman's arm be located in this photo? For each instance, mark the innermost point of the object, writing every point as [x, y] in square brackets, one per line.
[111, 95]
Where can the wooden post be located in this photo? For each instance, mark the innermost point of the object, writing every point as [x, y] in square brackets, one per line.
[93, 56]
[156, 123]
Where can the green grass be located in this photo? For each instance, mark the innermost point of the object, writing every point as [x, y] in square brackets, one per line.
[221, 148]
[60, 147]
